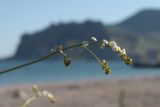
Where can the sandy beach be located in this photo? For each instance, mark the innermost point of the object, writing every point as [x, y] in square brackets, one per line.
[134, 92]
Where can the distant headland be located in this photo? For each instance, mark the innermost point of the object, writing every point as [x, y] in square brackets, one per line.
[139, 34]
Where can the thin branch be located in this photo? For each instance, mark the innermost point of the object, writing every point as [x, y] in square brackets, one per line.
[92, 54]
[28, 63]
[42, 58]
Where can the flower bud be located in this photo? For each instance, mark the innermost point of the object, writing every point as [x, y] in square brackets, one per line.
[85, 43]
[124, 51]
[105, 41]
[102, 45]
[67, 61]
[94, 39]
[128, 61]
[105, 67]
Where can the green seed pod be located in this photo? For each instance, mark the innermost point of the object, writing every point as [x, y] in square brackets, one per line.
[128, 61]
[105, 67]
[67, 61]
[108, 71]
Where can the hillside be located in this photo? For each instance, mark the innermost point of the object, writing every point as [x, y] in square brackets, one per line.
[40, 43]
[139, 34]
[143, 22]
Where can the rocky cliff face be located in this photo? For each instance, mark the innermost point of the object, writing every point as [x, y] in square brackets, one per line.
[143, 22]
[40, 43]
[139, 34]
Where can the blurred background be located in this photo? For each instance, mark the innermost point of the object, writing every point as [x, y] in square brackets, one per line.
[30, 29]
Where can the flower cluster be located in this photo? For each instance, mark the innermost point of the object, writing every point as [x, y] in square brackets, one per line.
[116, 48]
[39, 93]
[122, 52]
[113, 45]
[105, 67]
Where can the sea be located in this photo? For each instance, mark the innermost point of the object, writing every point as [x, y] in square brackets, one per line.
[55, 71]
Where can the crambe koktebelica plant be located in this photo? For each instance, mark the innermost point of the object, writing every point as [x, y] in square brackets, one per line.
[85, 45]
[67, 61]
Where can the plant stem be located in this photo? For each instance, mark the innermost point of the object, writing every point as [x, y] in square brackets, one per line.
[92, 54]
[42, 58]
[28, 63]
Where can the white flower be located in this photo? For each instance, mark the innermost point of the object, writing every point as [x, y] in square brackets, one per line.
[119, 49]
[124, 51]
[85, 43]
[45, 93]
[112, 43]
[102, 45]
[94, 39]
[115, 49]
[105, 41]
[115, 46]
[103, 61]
[52, 50]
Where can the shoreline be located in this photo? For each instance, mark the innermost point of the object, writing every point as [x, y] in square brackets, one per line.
[138, 92]
[62, 82]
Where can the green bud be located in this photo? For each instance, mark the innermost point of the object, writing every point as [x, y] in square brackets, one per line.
[102, 45]
[67, 61]
[128, 61]
[105, 67]
[108, 71]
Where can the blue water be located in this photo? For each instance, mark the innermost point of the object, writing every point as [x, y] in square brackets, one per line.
[55, 71]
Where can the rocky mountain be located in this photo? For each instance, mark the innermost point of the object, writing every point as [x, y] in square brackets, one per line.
[40, 43]
[143, 22]
[139, 34]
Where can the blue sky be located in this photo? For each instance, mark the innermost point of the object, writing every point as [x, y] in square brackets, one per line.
[20, 16]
